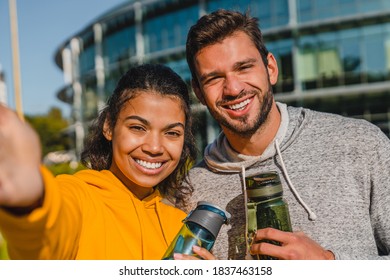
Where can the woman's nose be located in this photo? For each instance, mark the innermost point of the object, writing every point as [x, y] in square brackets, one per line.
[153, 144]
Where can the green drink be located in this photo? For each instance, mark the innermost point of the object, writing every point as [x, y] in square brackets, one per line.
[266, 206]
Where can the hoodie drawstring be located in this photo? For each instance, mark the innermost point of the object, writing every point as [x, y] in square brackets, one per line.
[248, 237]
[312, 215]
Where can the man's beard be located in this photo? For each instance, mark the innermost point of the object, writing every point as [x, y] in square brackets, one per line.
[243, 127]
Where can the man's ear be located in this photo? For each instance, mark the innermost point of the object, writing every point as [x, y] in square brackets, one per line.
[107, 130]
[197, 91]
[272, 68]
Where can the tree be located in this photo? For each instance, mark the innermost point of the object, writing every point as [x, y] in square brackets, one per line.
[50, 129]
[3, 249]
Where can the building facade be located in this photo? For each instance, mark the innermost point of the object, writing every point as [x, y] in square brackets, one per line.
[3, 87]
[333, 55]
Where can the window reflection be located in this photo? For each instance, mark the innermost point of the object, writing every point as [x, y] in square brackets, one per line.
[344, 57]
[312, 10]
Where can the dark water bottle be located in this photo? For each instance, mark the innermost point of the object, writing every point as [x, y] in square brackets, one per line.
[201, 228]
[266, 206]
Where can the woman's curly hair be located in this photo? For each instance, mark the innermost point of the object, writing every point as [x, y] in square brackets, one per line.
[154, 78]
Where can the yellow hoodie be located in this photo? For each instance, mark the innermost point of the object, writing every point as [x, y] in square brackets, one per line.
[91, 215]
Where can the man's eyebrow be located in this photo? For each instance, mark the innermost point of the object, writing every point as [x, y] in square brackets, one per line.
[208, 75]
[239, 64]
[236, 67]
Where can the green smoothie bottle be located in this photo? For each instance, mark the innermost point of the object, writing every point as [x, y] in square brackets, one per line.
[266, 206]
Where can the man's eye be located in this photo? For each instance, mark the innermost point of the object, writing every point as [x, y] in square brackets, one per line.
[245, 67]
[211, 80]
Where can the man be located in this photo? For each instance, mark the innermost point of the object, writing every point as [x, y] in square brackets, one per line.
[334, 170]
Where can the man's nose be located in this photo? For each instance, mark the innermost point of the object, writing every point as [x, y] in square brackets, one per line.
[233, 85]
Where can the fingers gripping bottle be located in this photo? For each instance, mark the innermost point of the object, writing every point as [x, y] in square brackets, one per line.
[266, 206]
[201, 228]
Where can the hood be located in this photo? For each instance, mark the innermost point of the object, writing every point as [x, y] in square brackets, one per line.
[219, 156]
[109, 185]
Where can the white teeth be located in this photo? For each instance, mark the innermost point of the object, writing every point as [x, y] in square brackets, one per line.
[149, 165]
[240, 105]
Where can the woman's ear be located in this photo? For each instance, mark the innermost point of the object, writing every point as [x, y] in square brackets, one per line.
[107, 130]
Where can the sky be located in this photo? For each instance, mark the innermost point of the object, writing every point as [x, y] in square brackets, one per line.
[43, 26]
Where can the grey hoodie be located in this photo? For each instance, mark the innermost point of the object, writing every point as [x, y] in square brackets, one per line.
[336, 180]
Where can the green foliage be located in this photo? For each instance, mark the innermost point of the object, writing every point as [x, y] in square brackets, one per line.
[65, 168]
[3, 249]
[49, 129]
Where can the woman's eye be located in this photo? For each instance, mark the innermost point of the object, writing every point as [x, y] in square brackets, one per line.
[174, 133]
[136, 128]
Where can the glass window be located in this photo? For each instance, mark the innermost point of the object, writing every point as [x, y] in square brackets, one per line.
[153, 28]
[365, 6]
[311, 10]
[325, 9]
[347, 57]
[119, 46]
[387, 46]
[265, 14]
[282, 52]
[89, 103]
[306, 60]
[271, 13]
[305, 8]
[307, 65]
[280, 15]
[350, 50]
[347, 7]
[87, 60]
[374, 52]
[240, 5]
[160, 32]
[319, 61]
[181, 67]
[329, 61]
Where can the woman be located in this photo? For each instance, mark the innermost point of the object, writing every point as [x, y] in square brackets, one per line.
[138, 150]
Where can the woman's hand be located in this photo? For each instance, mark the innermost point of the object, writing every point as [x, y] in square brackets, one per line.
[20, 158]
[201, 252]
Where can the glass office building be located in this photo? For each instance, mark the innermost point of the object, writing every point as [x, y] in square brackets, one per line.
[333, 55]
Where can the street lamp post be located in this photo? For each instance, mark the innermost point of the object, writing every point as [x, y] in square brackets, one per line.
[15, 58]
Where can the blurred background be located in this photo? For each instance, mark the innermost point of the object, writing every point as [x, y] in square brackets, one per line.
[333, 56]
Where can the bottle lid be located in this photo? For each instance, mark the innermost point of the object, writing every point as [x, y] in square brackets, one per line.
[263, 185]
[209, 216]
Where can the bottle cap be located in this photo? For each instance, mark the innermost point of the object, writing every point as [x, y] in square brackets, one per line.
[209, 216]
[263, 185]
